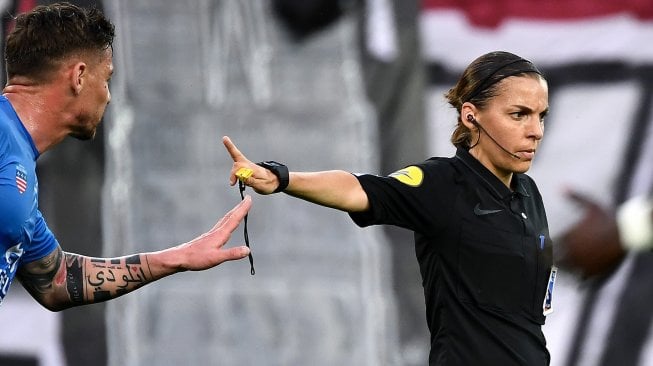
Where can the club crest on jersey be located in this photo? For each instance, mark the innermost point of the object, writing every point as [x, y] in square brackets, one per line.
[21, 179]
[411, 176]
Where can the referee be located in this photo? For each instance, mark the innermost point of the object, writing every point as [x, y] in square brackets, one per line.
[481, 233]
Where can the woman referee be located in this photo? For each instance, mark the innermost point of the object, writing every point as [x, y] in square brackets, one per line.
[481, 233]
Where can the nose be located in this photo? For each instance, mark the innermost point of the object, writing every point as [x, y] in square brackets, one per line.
[536, 129]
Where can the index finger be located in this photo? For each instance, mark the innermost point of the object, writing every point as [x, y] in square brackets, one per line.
[236, 155]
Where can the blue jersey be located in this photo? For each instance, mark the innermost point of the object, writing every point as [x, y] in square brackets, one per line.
[24, 235]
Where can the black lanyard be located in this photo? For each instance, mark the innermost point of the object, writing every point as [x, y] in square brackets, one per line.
[241, 188]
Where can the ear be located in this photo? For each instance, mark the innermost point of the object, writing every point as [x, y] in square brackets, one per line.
[78, 76]
[466, 110]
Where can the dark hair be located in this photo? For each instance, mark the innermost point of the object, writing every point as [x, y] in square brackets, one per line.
[478, 84]
[48, 34]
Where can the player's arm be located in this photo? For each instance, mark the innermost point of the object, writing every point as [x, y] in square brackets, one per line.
[61, 280]
[336, 188]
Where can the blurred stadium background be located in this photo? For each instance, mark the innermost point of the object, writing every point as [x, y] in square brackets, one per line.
[319, 84]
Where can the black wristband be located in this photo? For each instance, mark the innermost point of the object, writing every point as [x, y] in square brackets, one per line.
[280, 170]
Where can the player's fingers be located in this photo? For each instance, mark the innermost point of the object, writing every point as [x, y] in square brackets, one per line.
[235, 253]
[232, 219]
[233, 151]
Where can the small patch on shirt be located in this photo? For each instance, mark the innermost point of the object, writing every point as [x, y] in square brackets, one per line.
[547, 307]
[21, 179]
[411, 176]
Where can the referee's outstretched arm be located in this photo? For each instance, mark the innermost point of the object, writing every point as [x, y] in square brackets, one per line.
[334, 188]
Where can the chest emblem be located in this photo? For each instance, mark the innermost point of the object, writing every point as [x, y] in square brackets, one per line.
[482, 212]
[411, 176]
[21, 179]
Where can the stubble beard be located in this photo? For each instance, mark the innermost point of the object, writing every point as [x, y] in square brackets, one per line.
[83, 133]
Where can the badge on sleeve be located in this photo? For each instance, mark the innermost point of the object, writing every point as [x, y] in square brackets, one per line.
[411, 176]
[21, 178]
[547, 307]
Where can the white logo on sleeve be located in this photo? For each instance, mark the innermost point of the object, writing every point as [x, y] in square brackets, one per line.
[8, 266]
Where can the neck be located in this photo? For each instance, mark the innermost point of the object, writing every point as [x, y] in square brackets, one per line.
[34, 106]
[504, 176]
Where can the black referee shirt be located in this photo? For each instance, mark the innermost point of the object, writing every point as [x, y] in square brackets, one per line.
[484, 254]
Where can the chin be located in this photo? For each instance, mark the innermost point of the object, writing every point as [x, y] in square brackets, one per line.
[522, 167]
[83, 135]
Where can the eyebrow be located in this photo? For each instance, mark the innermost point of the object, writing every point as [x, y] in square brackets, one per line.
[530, 110]
[545, 112]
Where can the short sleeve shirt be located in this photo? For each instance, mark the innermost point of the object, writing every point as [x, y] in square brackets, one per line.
[484, 253]
[24, 234]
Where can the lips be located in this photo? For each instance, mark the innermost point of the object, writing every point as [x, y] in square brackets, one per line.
[527, 154]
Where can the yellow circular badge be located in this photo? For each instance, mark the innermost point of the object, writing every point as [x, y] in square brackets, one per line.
[411, 176]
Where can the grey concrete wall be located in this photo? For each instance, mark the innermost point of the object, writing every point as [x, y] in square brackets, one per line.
[188, 72]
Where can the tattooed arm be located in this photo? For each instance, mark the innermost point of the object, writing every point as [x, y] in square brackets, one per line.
[61, 280]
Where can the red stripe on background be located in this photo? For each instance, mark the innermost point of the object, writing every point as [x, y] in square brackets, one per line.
[492, 13]
[24, 6]
[21, 6]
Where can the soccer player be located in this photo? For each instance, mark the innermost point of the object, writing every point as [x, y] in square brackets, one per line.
[59, 63]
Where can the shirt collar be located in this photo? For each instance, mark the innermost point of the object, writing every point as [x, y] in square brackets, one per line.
[13, 116]
[492, 181]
